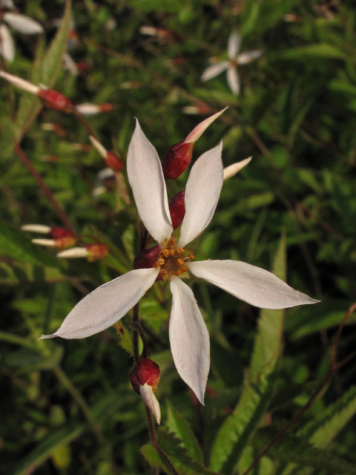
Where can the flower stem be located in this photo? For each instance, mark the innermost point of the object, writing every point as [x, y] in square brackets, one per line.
[135, 332]
[85, 124]
[26, 161]
[154, 442]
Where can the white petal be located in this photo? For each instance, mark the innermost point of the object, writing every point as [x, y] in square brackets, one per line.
[148, 186]
[249, 56]
[73, 253]
[99, 147]
[151, 401]
[88, 109]
[36, 228]
[44, 242]
[249, 283]
[234, 45]
[189, 338]
[21, 83]
[201, 194]
[7, 47]
[23, 23]
[214, 70]
[235, 167]
[105, 174]
[233, 80]
[198, 131]
[106, 305]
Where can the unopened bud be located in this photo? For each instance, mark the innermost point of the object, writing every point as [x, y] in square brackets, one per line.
[59, 243]
[178, 157]
[235, 167]
[147, 258]
[55, 100]
[62, 238]
[21, 83]
[92, 109]
[177, 209]
[144, 378]
[96, 252]
[111, 159]
[200, 108]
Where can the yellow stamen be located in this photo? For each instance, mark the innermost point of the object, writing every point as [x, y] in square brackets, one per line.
[180, 262]
[172, 252]
[184, 269]
[191, 256]
[160, 261]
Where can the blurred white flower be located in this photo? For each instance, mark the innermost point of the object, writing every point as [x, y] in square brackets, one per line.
[231, 65]
[188, 333]
[21, 23]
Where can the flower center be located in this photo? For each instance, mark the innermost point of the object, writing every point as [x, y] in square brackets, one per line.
[172, 260]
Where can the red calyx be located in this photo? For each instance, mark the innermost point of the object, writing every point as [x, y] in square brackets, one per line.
[147, 258]
[177, 209]
[105, 107]
[55, 100]
[96, 252]
[58, 233]
[114, 162]
[144, 371]
[177, 160]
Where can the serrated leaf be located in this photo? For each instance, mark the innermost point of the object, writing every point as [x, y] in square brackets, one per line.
[299, 452]
[14, 243]
[238, 428]
[176, 453]
[180, 427]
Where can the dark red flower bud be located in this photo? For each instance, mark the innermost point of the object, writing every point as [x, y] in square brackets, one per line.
[114, 162]
[55, 100]
[145, 371]
[177, 160]
[105, 107]
[177, 209]
[147, 258]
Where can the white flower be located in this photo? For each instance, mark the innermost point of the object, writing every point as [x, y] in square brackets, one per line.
[231, 65]
[21, 23]
[188, 333]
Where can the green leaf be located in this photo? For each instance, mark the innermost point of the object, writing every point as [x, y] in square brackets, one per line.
[180, 427]
[45, 70]
[238, 428]
[176, 453]
[318, 50]
[49, 446]
[323, 428]
[52, 62]
[298, 451]
[173, 6]
[14, 243]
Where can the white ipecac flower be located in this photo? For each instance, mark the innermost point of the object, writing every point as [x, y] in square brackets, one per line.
[21, 23]
[188, 333]
[231, 65]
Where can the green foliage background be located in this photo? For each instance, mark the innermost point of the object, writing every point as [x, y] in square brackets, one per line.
[67, 406]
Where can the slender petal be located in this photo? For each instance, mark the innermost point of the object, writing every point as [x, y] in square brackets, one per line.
[214, 70]
[44, 242]
[201, 194]
[36, 228]
[245, 58]
[198, 131]
[148, 186]
[99, 147]
[233, 80]
[249, 283]
[18, 82]
[7, 47]
[234, 45]
[73, 253]
[22, 23]
[235, 167]
[189, 338]
[88, 109]
[151, 401]
[106, 305]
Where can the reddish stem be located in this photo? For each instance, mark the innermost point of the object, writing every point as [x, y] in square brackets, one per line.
[26, 161]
